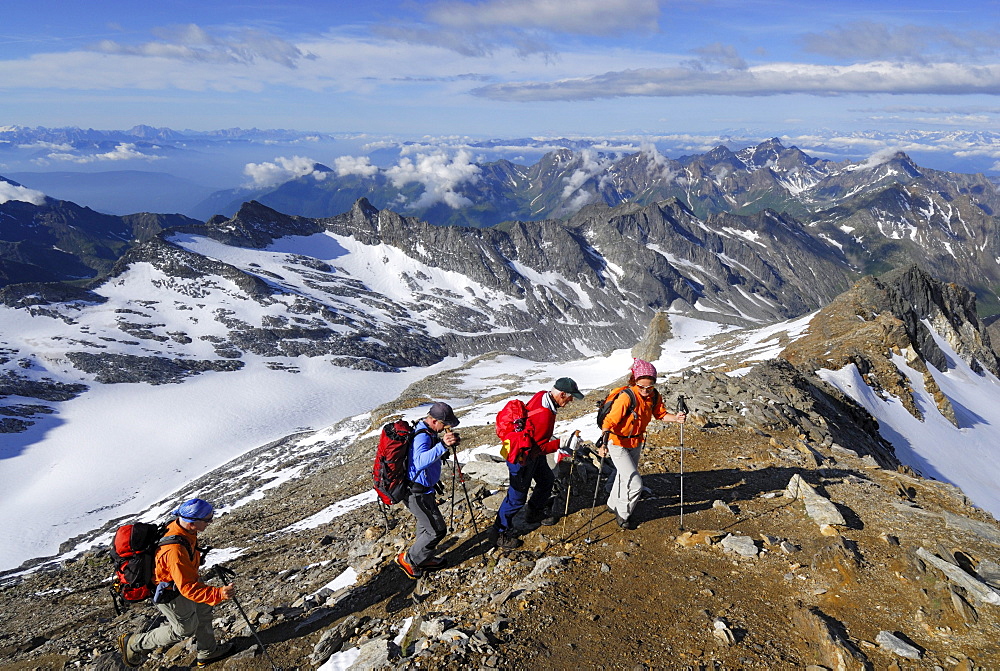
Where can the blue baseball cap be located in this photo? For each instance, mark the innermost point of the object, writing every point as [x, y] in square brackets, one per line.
[194, 510]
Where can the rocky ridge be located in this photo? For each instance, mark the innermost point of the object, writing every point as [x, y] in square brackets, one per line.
[591, 283]
[799, 540]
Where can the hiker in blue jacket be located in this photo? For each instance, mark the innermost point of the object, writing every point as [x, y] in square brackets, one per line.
[424, 472]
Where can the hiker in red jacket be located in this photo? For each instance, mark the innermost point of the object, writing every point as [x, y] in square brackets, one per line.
[183, 599]
[532, 465]
[626, 425]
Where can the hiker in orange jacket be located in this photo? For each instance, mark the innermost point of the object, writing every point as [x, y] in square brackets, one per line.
[183, 599]
[627, 434]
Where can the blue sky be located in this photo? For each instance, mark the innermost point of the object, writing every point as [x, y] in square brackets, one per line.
[503, 68]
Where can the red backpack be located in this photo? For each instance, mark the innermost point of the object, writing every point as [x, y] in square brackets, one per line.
[133, 552]
[390, 473]
[515, 430]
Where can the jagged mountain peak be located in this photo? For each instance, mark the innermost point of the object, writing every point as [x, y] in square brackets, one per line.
[900, 314]
[257, 225]
[762, 155]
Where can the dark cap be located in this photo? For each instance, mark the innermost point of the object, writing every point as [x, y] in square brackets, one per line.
[568, 386]
[443, 412]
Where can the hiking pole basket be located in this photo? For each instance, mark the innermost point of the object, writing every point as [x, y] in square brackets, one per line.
[682, 408]
[226, 575]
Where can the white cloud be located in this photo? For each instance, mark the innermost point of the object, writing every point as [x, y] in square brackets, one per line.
[878, 158]
[582, 17]
[10, 191]
[577, 202]
[54, 146]
[592, 164]
[867, 40]
[281, 170]
[191, 42]
[439, 174]
[761, 80]
[354, 165]
[524, 26]
[124, 151]
[654, 157]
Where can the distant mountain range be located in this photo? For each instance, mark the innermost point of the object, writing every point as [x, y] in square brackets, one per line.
[874, 215]
[847, 218]
[765, 176]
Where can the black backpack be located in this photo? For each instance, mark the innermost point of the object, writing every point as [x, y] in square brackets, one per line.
[604, 407]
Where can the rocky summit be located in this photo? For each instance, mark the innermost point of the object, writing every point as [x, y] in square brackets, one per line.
[777, 529]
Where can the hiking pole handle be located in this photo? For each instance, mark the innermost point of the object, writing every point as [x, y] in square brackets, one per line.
[682, 407]
[458, 438]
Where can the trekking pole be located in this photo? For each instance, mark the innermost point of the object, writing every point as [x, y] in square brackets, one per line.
[461, 476]
[574, 442]
[454, 474]
[682, 408]
[226, 575]
[597, 486]
[385, 514]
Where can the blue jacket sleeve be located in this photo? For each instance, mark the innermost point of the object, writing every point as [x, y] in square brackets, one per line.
[425, 465]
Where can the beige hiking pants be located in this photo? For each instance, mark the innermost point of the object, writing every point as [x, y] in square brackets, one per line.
[185, 618]
[627, 487]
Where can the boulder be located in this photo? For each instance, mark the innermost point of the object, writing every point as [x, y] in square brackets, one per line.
[819, 508]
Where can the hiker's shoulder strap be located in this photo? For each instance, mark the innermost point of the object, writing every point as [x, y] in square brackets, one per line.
[536, 406]
[177, 540]
[631, 400]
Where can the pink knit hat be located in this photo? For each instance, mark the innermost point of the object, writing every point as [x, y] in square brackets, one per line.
[642, 368]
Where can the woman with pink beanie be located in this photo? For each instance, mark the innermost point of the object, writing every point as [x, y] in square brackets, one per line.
[625, 425]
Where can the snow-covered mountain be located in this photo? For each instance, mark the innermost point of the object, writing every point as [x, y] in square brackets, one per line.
[205, 342]
[892, 382]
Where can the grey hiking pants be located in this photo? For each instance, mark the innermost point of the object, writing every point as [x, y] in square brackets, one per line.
[185, 618]
[431, 527]
[627, 487]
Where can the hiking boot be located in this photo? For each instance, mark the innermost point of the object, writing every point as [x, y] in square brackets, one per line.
[221, 650]
[508, 541]
[625, 523]
[540, 517]
[129, 658]
[433, 564]
[411, 571]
